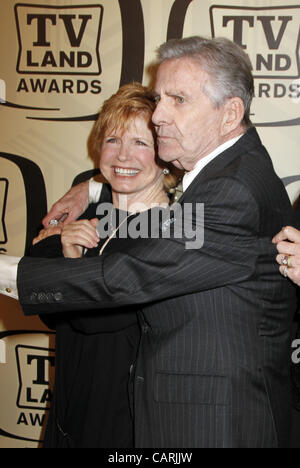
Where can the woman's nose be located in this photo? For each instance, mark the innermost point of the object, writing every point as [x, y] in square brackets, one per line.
[123, 154]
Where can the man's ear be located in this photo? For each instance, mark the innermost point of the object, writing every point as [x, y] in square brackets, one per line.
[234, 111]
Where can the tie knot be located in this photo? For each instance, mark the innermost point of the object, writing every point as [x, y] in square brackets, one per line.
[178, 192]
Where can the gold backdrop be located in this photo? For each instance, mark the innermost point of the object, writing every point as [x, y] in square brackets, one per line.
[59, 60]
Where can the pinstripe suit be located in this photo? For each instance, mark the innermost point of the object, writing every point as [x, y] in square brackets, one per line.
[213, 366]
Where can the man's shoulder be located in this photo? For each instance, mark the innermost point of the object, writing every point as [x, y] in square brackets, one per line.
[249, 161]
[246, 167]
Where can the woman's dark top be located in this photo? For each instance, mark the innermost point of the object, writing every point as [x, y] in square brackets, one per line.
[95, 354]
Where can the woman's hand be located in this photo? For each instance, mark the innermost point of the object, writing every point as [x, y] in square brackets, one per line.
[288, 246]
[44, 233]
[78, 235]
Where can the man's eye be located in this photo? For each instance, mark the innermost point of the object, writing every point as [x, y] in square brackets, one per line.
[156, 99]
[179, 99]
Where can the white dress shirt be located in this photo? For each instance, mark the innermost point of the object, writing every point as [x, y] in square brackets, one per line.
[8, 275]
[190, 176]
[9, 265]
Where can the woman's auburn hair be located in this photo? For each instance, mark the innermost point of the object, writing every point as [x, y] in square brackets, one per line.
[117, 112]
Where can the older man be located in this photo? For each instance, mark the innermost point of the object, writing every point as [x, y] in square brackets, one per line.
[212, 369]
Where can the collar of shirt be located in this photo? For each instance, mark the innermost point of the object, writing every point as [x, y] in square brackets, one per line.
[190, 176]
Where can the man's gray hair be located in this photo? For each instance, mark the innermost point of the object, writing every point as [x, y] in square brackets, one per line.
[225, 62]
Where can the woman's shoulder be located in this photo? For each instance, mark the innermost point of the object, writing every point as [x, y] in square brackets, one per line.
[105, 197]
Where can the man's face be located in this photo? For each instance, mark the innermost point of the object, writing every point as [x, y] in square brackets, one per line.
[188, 126]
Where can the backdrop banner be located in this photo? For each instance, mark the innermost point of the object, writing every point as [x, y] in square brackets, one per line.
[60, 59]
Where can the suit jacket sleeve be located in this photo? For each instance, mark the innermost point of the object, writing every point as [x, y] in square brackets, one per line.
[153, 269]
[50, 247]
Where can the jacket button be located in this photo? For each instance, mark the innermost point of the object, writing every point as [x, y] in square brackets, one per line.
[42, 297]
[33, 297]
[49, 298]
[58, 297]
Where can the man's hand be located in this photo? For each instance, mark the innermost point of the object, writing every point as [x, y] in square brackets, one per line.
[288, 246]
[73, 204]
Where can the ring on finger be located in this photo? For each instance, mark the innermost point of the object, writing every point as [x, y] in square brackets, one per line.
[285, 271]
[53, 222]
[284, 260]
[289, 262]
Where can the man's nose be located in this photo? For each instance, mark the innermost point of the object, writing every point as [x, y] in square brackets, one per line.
[161, 116]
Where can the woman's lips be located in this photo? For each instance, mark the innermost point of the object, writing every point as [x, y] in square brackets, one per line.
[121, 171]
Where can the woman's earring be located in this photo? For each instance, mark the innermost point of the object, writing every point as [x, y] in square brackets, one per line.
[166, 171]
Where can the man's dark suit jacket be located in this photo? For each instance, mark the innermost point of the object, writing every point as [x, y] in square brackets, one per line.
[213, 365]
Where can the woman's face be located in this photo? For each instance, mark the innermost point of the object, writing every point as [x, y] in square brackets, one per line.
[128, 158]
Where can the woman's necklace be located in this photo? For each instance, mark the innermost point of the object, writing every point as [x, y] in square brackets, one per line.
[114, 230]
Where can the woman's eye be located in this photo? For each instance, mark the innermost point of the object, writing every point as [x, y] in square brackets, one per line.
[140, 143]
[111, 140]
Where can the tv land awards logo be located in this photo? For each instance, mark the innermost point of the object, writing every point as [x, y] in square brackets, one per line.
[59, 41]
[271, 37]
[28, 373]
[59, 52]
[274, 29]
[34, 368]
